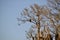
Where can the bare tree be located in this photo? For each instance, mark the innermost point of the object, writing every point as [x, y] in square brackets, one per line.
[55, 5]
[40, 16]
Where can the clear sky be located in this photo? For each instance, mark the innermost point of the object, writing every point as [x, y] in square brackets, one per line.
[9, 11]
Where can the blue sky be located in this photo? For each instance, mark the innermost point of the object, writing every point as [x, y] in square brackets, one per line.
[9, 11]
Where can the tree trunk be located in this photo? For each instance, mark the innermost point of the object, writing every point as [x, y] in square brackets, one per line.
[38, 31]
